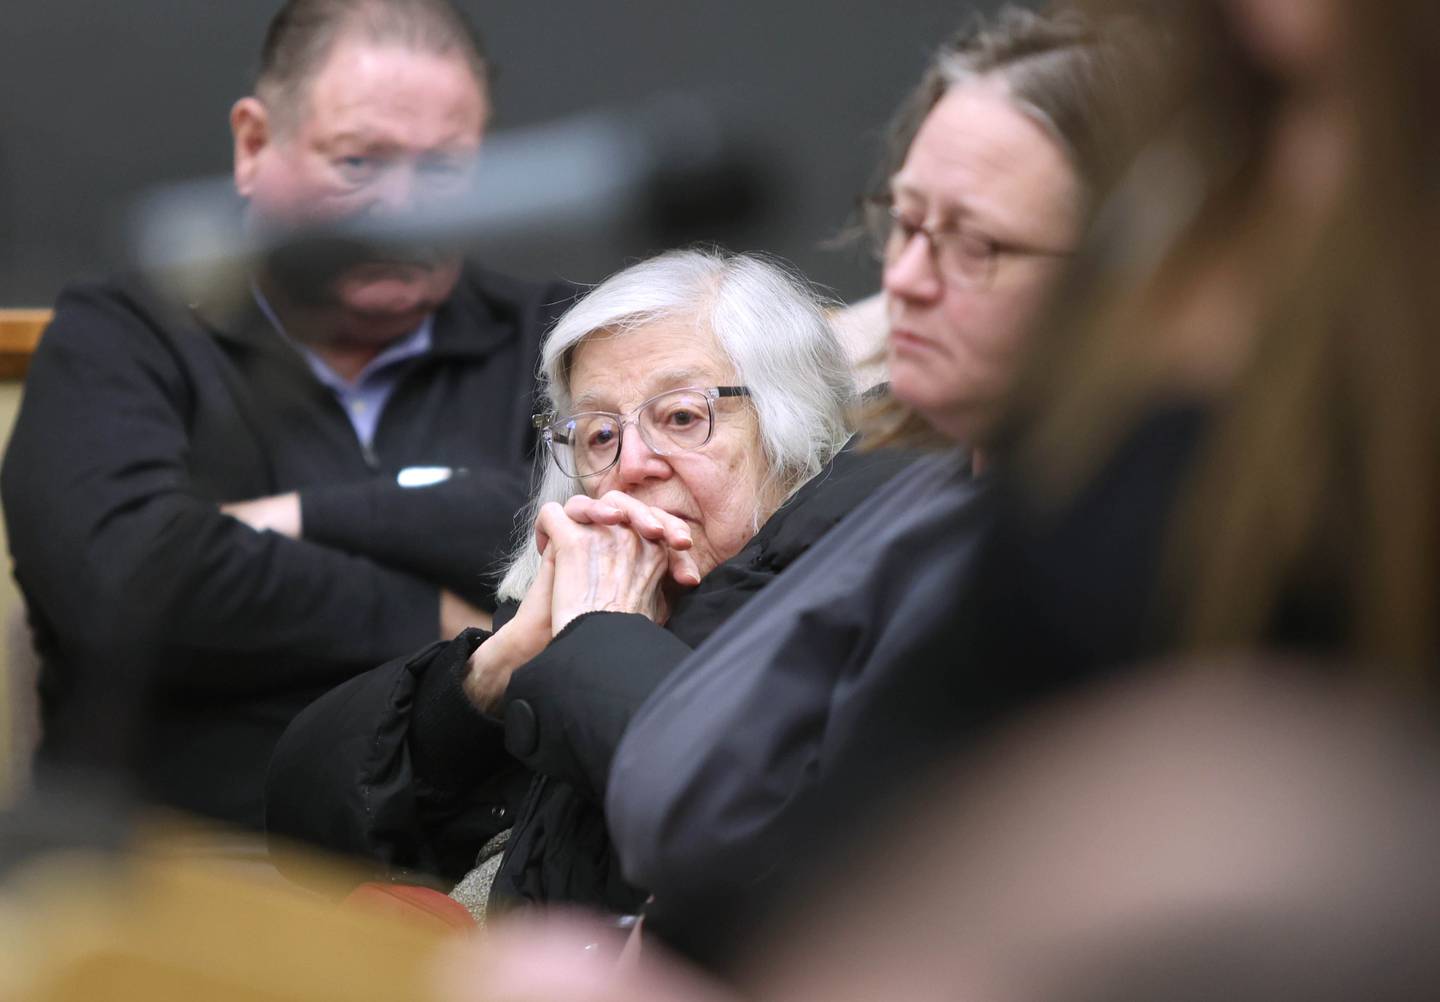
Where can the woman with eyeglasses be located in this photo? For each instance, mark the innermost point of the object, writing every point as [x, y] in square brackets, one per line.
[984, 196]
[694, 409]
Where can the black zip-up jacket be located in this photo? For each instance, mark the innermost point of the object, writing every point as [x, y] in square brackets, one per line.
[139, 420]
[396, 766]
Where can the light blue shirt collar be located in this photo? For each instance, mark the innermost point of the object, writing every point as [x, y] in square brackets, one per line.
[364, 399]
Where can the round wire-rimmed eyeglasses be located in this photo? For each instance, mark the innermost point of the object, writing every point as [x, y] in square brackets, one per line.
[587, 444]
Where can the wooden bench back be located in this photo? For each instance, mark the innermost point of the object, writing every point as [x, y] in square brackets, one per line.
[19, 334]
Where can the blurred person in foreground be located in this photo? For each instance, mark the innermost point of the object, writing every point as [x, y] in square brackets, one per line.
[694, 405]
[211, 499]
[1213, 830]
[995, 158]
[1234, 441]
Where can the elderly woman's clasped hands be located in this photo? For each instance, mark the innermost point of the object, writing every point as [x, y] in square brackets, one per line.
[614, 553]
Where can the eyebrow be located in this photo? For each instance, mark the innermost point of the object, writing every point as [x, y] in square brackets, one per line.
[963, 212]
[959, 210]
[360, 140]
[659, 382]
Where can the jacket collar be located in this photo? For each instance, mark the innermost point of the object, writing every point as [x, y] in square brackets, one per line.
[470, 324]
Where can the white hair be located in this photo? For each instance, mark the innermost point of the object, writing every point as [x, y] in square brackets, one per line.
[768, 322]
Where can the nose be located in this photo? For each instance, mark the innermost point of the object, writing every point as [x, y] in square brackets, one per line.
[638, 462]
[393, 190]
[912, 273]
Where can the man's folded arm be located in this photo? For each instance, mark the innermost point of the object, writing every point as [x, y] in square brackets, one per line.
[102, 514]
[455, 533]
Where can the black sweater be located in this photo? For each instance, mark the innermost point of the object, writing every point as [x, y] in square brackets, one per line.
[139, 420]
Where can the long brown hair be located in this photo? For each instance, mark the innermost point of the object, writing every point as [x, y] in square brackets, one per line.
[1323, 456]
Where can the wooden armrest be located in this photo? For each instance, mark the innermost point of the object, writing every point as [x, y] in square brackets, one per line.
[19, 334]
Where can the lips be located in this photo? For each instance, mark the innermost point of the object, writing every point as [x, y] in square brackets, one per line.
[902, 338]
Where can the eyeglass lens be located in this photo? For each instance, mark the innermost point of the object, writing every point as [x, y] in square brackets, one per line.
[672, 422]
[961, 255]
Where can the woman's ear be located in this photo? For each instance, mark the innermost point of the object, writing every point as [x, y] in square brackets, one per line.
[250, 128]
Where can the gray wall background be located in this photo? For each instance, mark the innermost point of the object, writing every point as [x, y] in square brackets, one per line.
[100, 98]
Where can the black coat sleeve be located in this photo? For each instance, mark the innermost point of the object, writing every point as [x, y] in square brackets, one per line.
[455, 533]
[395, 767]
[566, 710]
[102, 515]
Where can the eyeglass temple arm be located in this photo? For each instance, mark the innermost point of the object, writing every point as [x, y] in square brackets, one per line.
[543, 422]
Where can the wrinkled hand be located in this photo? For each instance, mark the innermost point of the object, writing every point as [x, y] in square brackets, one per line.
[654, 524]
[278, 513]
[613, 554]
[515, 643]
[529, 629]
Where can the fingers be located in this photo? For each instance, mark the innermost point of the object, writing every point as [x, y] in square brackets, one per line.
[652, 523]
[593, 511]
[551, 519]
[615, 508]
[684, 569]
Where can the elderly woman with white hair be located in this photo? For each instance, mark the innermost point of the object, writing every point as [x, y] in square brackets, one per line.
[694, 416]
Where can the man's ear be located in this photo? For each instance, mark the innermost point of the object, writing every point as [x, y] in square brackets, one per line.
[250, 128]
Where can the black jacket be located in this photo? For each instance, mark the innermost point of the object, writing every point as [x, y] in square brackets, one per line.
[719, 764]
[397, 767]
[140, 419]
[924, 621]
